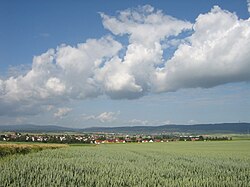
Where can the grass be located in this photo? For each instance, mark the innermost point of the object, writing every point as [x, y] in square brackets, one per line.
[224, 163]
[23, 148]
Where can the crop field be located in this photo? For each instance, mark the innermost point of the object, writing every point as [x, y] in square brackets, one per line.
[14, 148]
[150, 164]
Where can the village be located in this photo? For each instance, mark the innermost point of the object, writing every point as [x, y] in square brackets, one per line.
[101, 138]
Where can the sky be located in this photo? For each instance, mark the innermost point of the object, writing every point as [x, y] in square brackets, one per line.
[124, 63]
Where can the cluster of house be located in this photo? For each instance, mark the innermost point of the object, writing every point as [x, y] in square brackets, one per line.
[50, 138]
[128, 140]
[100, 138]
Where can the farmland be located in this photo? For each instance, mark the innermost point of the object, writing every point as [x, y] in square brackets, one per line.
[225, 163]
[24, 148]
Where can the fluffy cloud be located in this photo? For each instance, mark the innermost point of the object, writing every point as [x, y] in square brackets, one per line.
[103, 117]
[77, 65]
[106, 117]
[216, 51]
[61, 112]
[144, 25]
[56, 76]
[54, 85]
[131, 76]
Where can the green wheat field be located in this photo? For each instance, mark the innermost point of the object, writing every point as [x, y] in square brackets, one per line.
[208, 164]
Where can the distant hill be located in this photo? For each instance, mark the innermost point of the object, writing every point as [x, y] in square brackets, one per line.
[242, 128]
[35, 128]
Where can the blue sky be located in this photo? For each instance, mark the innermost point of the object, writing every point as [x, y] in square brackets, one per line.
[116, 63]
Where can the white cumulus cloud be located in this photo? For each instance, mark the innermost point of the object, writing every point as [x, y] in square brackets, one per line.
[145, 25]
[61, 112]
[212, 51]
[216, 53]
[57, 76]
[54, 85]
[107, 117]
[102, 117]
[131, 76]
